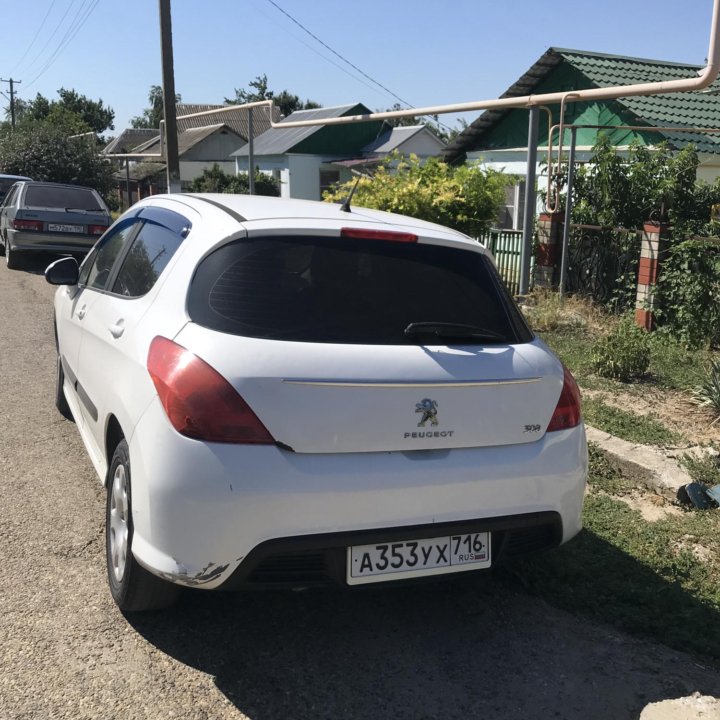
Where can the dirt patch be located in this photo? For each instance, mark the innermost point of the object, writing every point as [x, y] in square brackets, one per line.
[672, 408]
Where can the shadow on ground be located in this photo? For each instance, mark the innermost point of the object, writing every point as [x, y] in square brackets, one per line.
[470, 648]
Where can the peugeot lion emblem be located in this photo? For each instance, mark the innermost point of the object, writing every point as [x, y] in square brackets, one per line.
[428, 408]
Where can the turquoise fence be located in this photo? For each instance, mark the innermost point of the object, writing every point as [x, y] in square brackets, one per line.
[506, 247]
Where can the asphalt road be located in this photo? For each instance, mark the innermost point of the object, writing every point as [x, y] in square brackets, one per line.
[469, 649]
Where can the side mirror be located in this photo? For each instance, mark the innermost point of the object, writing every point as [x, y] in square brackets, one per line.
[63, 272]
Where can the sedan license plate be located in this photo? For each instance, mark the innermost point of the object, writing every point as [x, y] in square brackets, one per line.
[57, 227]
[417, 558]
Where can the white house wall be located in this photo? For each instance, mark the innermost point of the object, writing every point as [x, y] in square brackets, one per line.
[305, 176]
[421, 144]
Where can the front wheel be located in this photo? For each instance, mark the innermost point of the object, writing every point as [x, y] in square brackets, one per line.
[132, 587]
[61, 402]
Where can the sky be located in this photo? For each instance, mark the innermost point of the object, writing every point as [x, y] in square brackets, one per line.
[426, 53]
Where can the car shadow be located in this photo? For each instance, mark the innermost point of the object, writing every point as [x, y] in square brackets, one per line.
[476, 646]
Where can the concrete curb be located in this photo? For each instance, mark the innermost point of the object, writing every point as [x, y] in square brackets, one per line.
[648, 465]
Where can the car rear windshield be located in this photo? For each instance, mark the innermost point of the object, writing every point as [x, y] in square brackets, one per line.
[61, 197]
[348, 290]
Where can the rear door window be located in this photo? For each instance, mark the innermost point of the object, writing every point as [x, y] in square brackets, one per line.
[150, 252]
[349, 290]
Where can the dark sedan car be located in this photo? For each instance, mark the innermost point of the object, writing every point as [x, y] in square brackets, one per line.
[43, 216]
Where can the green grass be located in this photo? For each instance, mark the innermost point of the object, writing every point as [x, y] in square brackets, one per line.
[672, 366]
[628, 426]
[639, 576]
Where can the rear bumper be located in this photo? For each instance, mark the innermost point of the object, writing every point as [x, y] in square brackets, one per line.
[311, 560]
[206, 513]
[49, 242]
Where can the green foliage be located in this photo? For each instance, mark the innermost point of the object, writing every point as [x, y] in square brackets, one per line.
[704, 469]
[152, 115]
[215, 180]
[707, 393]
[624, 354]
[650, 184]
[466, 198]
[73, 111]
[43, 151]
[643, 429]
[688, 291]
[258, 90]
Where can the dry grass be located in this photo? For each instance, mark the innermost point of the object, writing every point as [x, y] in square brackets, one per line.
[546, 313]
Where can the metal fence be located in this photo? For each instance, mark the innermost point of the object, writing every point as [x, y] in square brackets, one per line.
[602, 264]
[506, 247]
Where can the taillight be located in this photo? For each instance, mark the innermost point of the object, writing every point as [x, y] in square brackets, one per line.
[567, 413]
[34, 225]
[389, 235]
[97, 229]
[199, 402]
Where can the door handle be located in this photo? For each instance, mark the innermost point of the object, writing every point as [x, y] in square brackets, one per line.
[118, 328]
[81, 312]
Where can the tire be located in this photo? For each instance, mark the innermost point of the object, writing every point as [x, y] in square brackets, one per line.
[132, 587]
[11, 257]
[61, 402]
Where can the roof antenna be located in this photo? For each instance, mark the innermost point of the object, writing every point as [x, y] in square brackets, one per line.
[345, 205]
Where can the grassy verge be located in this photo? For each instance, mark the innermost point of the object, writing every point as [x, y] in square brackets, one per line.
[656, 579]
[628, 426]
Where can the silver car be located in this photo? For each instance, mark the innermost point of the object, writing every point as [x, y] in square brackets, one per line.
[44, 216]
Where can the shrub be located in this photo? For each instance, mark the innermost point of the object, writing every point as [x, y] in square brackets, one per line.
[215, 179]
[707, 393]
[466, 198]
[624, 354]
[688, 291]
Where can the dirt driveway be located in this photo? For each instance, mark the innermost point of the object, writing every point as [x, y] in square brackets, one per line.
[468, 649]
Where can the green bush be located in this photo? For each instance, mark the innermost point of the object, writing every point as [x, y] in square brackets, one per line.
[707, 393]
[216, 180]
[688, 292]
[624, 354]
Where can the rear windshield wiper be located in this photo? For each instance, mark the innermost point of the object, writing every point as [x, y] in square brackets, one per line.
[85, 210]
[449, 330]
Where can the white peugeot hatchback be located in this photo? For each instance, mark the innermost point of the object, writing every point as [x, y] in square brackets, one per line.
[280, 392]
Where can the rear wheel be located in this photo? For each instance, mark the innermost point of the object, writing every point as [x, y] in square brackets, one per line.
[11, 257]
[133, 588]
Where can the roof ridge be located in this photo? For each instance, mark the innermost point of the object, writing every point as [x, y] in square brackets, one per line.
[630, 58]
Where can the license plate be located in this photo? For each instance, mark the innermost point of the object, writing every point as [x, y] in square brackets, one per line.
[417, 558]
[57, 227]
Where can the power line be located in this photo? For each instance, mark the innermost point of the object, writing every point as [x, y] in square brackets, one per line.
[52, 35]
[70, 33]
[345, 60]
[315, 50]
[37, 32]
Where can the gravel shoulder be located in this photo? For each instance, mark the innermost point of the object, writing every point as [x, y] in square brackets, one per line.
[475, 647]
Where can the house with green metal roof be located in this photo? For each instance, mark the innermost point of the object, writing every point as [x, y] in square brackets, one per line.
[309, 160]
[499, 137]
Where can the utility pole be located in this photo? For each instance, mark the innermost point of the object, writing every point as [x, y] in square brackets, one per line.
[168, 74]
[12, 98]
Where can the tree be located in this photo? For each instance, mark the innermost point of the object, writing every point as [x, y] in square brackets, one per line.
[152, 115]
[466, 198]
[72, 109]
[258, 90]
[43, 151]
[216, 180]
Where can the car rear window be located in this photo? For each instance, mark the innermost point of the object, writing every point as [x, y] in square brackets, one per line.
[61, 197]
[347, 290]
